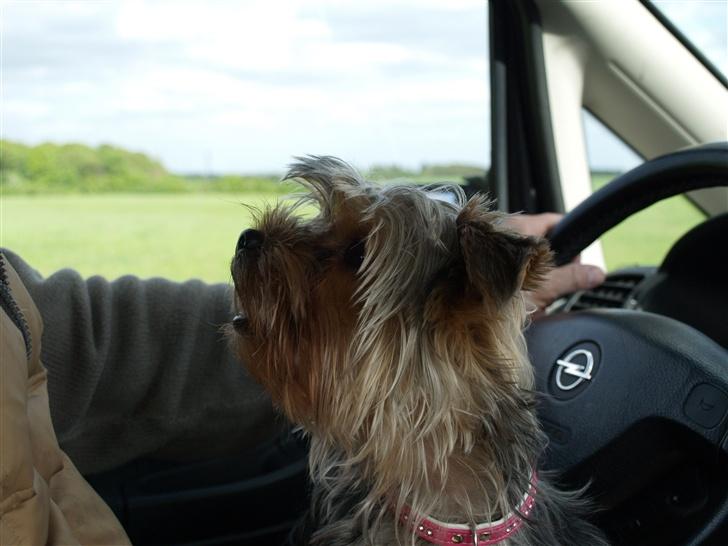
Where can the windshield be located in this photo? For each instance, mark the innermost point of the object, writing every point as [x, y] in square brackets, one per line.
[704, 24]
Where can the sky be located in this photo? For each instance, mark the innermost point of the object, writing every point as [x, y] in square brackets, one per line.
[242, 86]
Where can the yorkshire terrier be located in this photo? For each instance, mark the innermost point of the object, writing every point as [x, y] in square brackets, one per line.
[389, 328]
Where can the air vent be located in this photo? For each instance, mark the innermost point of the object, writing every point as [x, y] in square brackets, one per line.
[614, 293]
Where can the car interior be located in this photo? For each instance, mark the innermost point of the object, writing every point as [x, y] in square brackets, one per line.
[647, 431]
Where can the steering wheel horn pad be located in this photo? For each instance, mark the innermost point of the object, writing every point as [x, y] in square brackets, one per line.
[641, 368]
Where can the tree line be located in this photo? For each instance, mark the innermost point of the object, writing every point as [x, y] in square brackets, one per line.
[77, 168]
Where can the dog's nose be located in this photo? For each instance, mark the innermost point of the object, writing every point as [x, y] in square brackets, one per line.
[250, 239]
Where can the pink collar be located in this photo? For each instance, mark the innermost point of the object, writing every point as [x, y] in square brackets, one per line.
[447, 534]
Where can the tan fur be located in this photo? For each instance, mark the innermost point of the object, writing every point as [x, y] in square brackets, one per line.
[409, 372]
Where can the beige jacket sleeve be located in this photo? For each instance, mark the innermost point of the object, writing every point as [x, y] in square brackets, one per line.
[43, 498]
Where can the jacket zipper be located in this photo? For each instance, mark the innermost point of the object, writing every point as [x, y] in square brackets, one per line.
[10, 306]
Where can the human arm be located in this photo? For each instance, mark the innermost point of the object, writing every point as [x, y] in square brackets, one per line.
[141, 368]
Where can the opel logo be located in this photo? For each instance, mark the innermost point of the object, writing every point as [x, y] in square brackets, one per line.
[574, 369]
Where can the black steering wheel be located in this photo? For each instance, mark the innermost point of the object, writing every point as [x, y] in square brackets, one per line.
[611, 379]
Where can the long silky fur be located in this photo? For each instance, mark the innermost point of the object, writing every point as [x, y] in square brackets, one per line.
[410, 375]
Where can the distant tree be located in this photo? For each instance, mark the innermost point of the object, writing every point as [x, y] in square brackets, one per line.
[451, 170]
[389, 172]
[49, 168]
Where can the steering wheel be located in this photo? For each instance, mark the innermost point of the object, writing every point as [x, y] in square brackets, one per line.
[604, 373]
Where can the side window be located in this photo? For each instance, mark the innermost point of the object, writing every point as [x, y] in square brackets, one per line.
[646, 237]
[133, 131]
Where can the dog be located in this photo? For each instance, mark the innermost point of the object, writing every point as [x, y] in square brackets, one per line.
[388, 327]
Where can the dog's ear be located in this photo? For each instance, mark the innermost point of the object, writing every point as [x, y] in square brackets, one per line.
[498, 262]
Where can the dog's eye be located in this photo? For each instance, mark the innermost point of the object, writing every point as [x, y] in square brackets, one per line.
[354, 254]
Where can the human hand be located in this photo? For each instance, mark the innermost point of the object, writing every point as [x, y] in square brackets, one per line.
[561, 280]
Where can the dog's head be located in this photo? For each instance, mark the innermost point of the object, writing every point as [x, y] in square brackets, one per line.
[390, 316]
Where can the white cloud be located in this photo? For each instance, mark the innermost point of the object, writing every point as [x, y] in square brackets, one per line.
[250, 83]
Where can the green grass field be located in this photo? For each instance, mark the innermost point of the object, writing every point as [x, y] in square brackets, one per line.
[177, 236]
[182, 236]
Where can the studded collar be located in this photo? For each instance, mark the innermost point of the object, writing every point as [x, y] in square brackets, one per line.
[483, 534]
